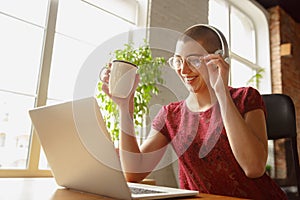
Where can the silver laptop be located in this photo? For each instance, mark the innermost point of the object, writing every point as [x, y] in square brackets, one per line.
[83, 157]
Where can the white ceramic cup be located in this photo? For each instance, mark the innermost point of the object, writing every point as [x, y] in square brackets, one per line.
[122, 76]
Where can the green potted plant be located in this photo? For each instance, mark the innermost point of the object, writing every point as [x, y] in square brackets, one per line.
[150, 71]
[256, 78]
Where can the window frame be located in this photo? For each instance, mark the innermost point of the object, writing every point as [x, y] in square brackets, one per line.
[260, 20]
[34, 150]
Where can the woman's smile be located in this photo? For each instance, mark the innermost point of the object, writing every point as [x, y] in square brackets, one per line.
[189, 79]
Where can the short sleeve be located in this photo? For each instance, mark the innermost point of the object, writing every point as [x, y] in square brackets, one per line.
[159, 122]
[248, 99]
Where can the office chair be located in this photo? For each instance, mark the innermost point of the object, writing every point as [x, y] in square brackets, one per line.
[281, 123]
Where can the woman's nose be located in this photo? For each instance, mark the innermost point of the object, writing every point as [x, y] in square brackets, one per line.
[185, 69]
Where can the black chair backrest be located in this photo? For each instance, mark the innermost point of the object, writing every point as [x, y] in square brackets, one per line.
[281, 123]
[281, 120]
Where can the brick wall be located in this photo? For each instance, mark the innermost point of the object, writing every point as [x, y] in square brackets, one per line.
[285, 69]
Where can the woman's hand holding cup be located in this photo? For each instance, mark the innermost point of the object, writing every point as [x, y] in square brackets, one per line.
[120, 81]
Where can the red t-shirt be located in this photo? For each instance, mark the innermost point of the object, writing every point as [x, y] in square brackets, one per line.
[206, 162]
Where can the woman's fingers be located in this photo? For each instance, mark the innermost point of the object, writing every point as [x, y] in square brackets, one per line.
[218, 70]
[105, 89]
[104, 75]
[216, 62]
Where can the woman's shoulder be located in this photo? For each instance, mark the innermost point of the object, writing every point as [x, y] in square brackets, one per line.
[247, 98]
[243, 92]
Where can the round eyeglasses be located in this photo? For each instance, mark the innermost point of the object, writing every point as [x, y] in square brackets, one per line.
[193, 61]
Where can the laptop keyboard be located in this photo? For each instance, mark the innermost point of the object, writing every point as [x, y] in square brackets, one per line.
[135, 190]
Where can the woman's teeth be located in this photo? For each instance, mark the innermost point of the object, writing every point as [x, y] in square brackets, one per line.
[189, 79]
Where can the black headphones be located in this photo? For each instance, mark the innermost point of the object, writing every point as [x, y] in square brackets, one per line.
[225, 50]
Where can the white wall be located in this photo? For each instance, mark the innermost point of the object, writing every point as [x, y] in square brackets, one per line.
[178, 14]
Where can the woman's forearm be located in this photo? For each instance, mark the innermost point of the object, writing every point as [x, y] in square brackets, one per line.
[249, 145]
[137, 161]
[130, 154]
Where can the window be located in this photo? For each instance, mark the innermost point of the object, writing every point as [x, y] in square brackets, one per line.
[22, 28]
[245, 27]
[45, 43]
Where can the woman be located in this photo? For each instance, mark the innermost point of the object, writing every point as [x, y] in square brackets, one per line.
[218, 132]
